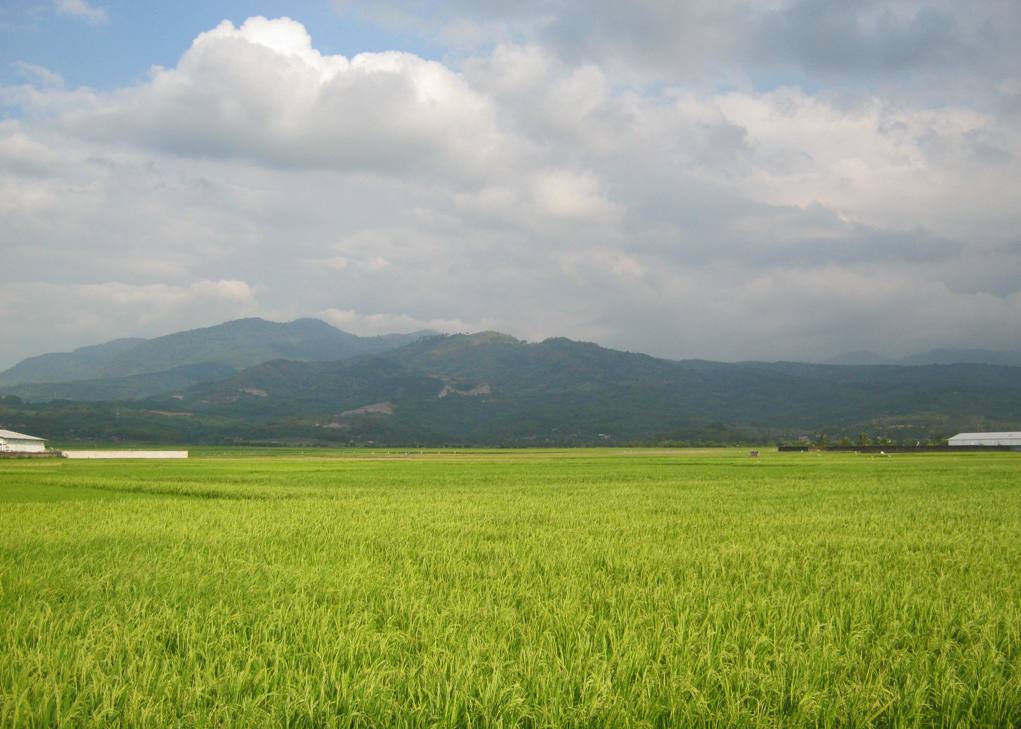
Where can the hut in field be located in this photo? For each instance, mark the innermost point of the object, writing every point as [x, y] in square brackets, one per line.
[1012, 440]
[11, 442]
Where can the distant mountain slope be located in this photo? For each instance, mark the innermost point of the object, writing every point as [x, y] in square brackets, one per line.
[84, 363]
[967, 356]
[131, 387]
[247, 342]
[860, 357]
[237, 344]
[933, 356]
[285, 387]
[552, 364]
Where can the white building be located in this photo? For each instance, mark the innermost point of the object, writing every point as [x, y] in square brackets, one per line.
[984, 439]
[11, 442]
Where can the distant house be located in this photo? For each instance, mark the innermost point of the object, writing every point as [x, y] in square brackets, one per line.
[987, 439]
[11, 442]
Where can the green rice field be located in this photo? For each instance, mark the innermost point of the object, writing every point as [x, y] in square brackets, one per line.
[585, 588]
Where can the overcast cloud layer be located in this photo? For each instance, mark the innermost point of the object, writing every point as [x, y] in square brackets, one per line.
[787, 179]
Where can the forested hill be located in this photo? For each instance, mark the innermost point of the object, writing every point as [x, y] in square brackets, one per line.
[492, 389]
[234, 344]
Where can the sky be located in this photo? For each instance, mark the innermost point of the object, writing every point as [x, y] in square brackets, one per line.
[724, 179]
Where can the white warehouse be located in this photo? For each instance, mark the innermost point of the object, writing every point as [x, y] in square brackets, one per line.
[11, 442]
[986, 439]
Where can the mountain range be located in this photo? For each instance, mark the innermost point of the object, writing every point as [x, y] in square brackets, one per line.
[253, 381]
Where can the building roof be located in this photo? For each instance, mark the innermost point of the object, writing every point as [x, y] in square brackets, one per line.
[11, 435]
[988, 435]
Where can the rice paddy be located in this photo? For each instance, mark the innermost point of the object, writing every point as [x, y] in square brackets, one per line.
[589, 588]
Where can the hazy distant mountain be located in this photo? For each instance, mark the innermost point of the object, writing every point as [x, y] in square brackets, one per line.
[932, 357]
[971, 356]
[82, 364]
[236, 344]
[860, 357]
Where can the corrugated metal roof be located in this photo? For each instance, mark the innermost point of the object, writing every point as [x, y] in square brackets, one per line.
[17, 436]
[987, 435]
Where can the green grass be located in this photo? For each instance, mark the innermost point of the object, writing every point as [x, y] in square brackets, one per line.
[512, 588]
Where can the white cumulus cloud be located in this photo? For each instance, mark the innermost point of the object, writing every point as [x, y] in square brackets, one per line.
[382, 323]
[262, 92]
[82, 9]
